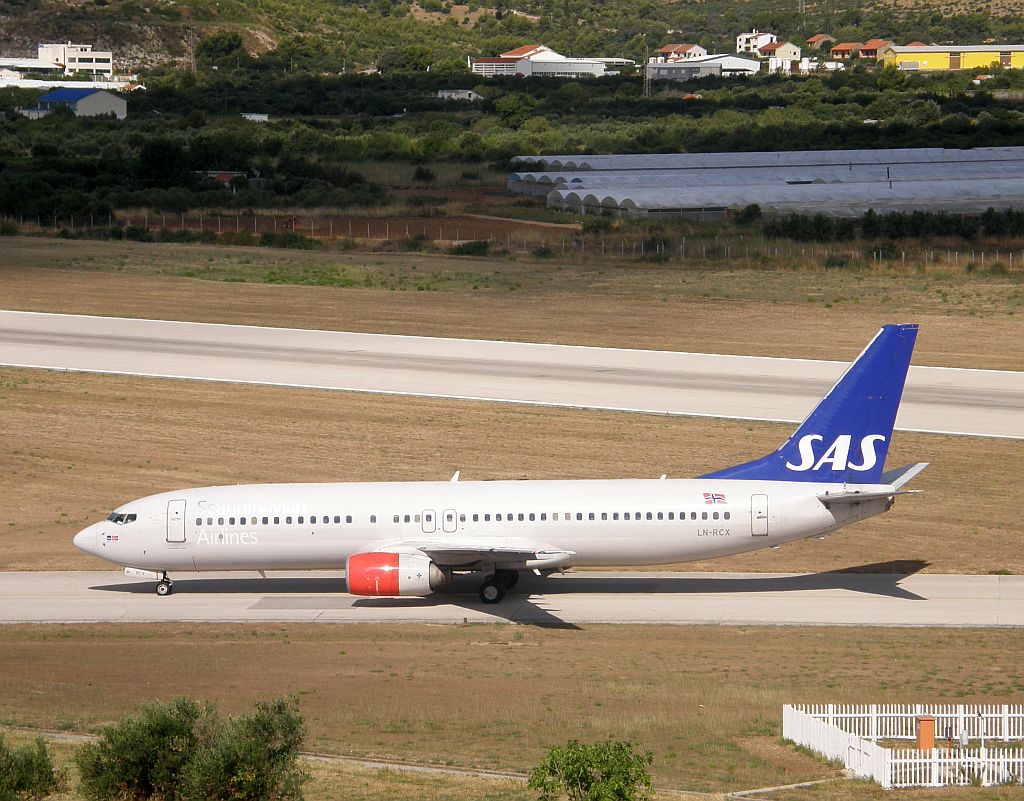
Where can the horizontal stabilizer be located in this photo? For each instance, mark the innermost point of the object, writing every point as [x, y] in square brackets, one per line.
[901, 475]
[830, 498]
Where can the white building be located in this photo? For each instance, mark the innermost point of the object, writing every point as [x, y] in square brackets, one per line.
[752, 42]
[458, 94]
[677, 52]
[77, 58]
[542, 61]
[710, 66]
[82, 102]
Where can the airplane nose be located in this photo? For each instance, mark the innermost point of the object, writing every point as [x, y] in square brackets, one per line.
[85, 540]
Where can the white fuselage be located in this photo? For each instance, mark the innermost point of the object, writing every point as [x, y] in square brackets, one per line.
[585, 523]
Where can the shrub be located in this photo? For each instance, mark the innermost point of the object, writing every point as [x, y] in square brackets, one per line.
[608, 771]
[27, 773]
[8, 228]
[254, 758]
[475, 247]
[288, 239]
[143, 755]
[424, 175]
[748, 214]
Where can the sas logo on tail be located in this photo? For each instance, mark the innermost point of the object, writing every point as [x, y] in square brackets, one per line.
[838, 453]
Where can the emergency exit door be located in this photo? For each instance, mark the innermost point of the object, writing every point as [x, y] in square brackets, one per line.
[176, 521]
[759, 515]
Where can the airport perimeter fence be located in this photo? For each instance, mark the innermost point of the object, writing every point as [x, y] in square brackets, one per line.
[520, 237]
[835, 731]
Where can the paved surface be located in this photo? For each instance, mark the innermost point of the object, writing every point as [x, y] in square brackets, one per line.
[562, 601]
[958, 401]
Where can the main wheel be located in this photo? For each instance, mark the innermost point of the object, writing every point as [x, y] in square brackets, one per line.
[164, 588]
[492, 590]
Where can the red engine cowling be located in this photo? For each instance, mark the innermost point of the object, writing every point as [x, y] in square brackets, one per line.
[393, 574]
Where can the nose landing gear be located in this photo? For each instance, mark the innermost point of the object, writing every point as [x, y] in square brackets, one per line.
[164, 587]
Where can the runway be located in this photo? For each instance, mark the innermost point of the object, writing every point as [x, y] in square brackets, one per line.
[942, 400]
[577, 598]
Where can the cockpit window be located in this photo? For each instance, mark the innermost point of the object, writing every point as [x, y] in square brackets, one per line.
[121, 518]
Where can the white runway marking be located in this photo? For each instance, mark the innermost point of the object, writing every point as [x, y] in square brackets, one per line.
[840, 599]
[939, 400]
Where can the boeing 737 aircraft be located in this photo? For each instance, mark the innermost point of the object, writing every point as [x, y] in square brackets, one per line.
[410, 538]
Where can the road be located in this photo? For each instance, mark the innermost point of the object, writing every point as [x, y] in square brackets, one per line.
[942, 400]
[577, 598]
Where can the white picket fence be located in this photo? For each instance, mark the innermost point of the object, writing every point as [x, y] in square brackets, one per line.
[897, 721]
[823, 729]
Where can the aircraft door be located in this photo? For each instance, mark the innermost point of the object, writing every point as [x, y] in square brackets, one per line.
[428, 522]
[759, 515]
[176, 521]
[449, 521]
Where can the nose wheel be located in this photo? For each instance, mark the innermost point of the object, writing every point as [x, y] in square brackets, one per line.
[164, 587]
[493, 590]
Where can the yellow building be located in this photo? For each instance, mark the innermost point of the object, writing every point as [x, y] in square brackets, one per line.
[911, 58]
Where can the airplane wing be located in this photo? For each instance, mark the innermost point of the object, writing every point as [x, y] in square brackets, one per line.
[449, 555]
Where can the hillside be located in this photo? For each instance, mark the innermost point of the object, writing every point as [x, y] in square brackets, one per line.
[348, 35]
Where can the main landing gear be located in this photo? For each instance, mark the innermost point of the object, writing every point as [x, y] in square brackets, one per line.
[493, 589]
[164, 587]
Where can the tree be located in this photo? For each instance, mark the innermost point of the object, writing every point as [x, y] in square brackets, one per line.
[142, 756]
[515, 108]
[28, 773]
[608, 771]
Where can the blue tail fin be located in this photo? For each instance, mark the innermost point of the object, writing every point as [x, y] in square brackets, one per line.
[846, 437]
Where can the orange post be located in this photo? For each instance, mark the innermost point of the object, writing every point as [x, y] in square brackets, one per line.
[925, 732]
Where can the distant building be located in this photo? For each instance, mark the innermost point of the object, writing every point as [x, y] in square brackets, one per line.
[542, 61]
[255, 116]
[819, 41]
[753, 41]
[911, 58]
[678, 52]
[458, 94]
[82, 102]
[709, 66]
[781, 56]
[77, 58]
[845, 50]
[873, 48]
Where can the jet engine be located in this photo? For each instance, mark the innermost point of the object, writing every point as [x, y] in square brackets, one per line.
[393, 574]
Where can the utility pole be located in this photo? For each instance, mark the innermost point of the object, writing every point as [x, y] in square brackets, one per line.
[192, 49]
[647, 71]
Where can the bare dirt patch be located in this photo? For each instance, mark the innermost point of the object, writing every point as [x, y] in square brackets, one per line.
[75, 446]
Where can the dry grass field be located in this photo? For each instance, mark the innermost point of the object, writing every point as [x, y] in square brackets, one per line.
[74, 446]
[706, 701]
[968, 320]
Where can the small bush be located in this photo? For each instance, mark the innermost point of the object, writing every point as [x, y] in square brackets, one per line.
[475, 247]
[543, 252]
[143, 755]
[997, 268]
[254, 758]
[608, 771]
[9, 228]
[424, 175]
[288, 239]
[748, 214]
[836, 262]
[28, 773]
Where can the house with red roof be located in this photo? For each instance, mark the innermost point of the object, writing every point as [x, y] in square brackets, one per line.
[845, 50]
[872, 48]
[677, 52]
[819, 41]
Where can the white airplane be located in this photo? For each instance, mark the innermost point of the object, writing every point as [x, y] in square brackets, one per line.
[409, 538]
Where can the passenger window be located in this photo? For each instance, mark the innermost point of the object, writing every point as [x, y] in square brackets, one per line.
[604, 515]
[373, 518]
[277, 521]
[220, 521]
[625, 516]
[487, 518]
[703, 515]
[520, 515]
[715, 515]
[579, 515]
[591, 515]
[199, 521]
[725, 515]
[497, 517]
[532, 517]
[337, 518]
[476, 518]
[543, 516]
[671, 515]
[462, 518]
[348, 518]
[693, 515]
[300, 520]
[555, 517]
[265, 521]
[288, 521]
[397, 519]
[615, 515]
[407, 519]
[416, 518]
[649, 516]
[660, 516]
